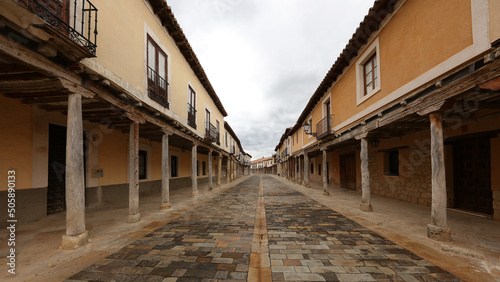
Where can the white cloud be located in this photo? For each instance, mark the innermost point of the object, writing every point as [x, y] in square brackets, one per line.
[266, 58]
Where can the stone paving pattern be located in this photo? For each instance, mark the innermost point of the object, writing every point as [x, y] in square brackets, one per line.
[310, 242]
[307, 242]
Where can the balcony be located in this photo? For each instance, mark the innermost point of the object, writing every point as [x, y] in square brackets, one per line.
[157, 88]
[191, 116]
[211, 133]
[77, 19]
[323, 127]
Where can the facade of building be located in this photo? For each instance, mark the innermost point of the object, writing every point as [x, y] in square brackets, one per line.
[410, 110]
[264, 165]
[101, 106]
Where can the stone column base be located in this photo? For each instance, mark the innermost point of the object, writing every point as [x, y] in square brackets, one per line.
[366, 207]
[194, 194]
[438, 233]
[71, 242]
[133, 218]
[165, 206]
[326, 193]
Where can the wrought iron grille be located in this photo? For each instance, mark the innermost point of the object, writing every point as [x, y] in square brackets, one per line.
[157, 88]
[211, 132]
[323, 127]
[82, 28]
[191, 116]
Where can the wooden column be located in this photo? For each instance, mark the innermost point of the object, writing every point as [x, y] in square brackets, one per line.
[300, 171]
[210, 175]
[438, 228]
[325, 175]
[306, 171]
[165, 172]
[133, 170]
[194, 170]
[365, 204]
[228, 170]
[76, 235]
[295, 170]
[219, 169]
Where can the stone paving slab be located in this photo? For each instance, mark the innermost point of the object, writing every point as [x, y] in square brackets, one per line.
[211, 243]
[310, 242]
[307, 242]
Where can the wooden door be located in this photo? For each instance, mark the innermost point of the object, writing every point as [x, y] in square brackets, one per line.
[472, 175]
[348, 171]
[56, 189]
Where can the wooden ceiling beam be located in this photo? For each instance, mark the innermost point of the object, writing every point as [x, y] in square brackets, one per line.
[39, 100]
[14, 69]
[39, 94]
[21, 76]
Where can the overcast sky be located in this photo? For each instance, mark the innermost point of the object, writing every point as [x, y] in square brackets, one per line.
[265, 58]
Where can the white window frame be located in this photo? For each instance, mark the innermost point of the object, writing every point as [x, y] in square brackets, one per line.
[156, 39]
[360, 79]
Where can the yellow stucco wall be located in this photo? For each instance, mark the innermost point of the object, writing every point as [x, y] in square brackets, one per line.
[127, 28]
[494, 13]
[16, 141]
[113, 158]
[410, 44]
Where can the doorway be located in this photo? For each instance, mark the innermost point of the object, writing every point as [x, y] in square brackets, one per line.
[472, 175]
[348, 171]
[56, 184]
[56, 188]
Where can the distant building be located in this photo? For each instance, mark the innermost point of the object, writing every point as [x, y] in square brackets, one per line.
[264, 165]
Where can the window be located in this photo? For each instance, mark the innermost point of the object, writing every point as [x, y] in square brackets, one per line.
[191, 107]
[217, 126]
[391, 163]
[157, 73]
[173, 166]
[312, 168]
[319, 169]
[297, 137]
[368, 80]
[370, 74]
[197, 168]
[204, 167]
[142, 164]
[226, 138]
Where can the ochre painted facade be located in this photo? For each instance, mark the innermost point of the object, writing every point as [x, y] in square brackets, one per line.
[18, 148]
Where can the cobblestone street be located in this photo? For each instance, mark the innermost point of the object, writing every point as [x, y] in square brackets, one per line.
[307, 242]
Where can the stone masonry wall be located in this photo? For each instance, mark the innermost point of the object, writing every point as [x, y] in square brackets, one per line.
[414, 181]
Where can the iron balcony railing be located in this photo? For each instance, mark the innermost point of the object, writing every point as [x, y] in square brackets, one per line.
[157, 88]
[191, 116]
[211, 132]
[76, 19]
[323, 127]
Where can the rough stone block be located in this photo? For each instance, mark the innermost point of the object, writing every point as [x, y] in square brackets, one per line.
[70, 242]
[438, 233]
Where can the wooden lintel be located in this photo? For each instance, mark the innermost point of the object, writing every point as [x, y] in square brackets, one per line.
[361, 136]
[76, 88]
[135, 118]
[437, 107]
